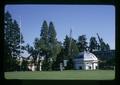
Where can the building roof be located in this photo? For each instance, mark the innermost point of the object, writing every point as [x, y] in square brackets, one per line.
[86, 56]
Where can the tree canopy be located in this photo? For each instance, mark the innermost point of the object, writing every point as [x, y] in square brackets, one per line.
[47, 45]
[82, 43]
[12, 41]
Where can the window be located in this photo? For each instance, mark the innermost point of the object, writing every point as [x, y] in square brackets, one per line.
[96, 67]
[89, 67]
[80, 67]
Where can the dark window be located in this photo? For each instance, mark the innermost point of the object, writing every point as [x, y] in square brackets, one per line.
[81, 56]
[89, 67]
[80, 67]
[96, 67]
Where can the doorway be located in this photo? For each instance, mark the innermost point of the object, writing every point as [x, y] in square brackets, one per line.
[89, 67]
[80, 67]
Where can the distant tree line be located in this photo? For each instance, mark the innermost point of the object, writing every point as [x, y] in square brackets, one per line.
[45, 45]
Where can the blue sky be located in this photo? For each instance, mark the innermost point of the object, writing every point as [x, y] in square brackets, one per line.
[82, 19]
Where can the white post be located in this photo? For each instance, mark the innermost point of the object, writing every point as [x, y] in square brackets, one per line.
[61, 67]
[40, 66]
[20, 35]
[20, 43]
[33, 67]
[41, 61]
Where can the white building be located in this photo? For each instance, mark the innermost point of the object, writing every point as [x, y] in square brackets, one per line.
[86, 61]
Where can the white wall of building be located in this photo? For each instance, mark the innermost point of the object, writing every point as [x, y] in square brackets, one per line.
[65, 63]
[95, 65]
[88, 66]
[88, 62]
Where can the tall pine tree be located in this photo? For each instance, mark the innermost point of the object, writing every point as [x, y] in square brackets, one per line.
[48, 45]
[74, 49]
[12, 41]
[93, 44]
[70, 51]
[43, 42]
[82, 43]
[66, 47]
[52, 44]
[102, 45]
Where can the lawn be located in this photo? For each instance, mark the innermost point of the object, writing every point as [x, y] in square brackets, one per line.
[64, 75]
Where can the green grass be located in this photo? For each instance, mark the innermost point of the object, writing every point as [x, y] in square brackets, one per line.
[64, 75]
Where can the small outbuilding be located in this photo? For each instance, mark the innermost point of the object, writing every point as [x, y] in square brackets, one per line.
[86, 61]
